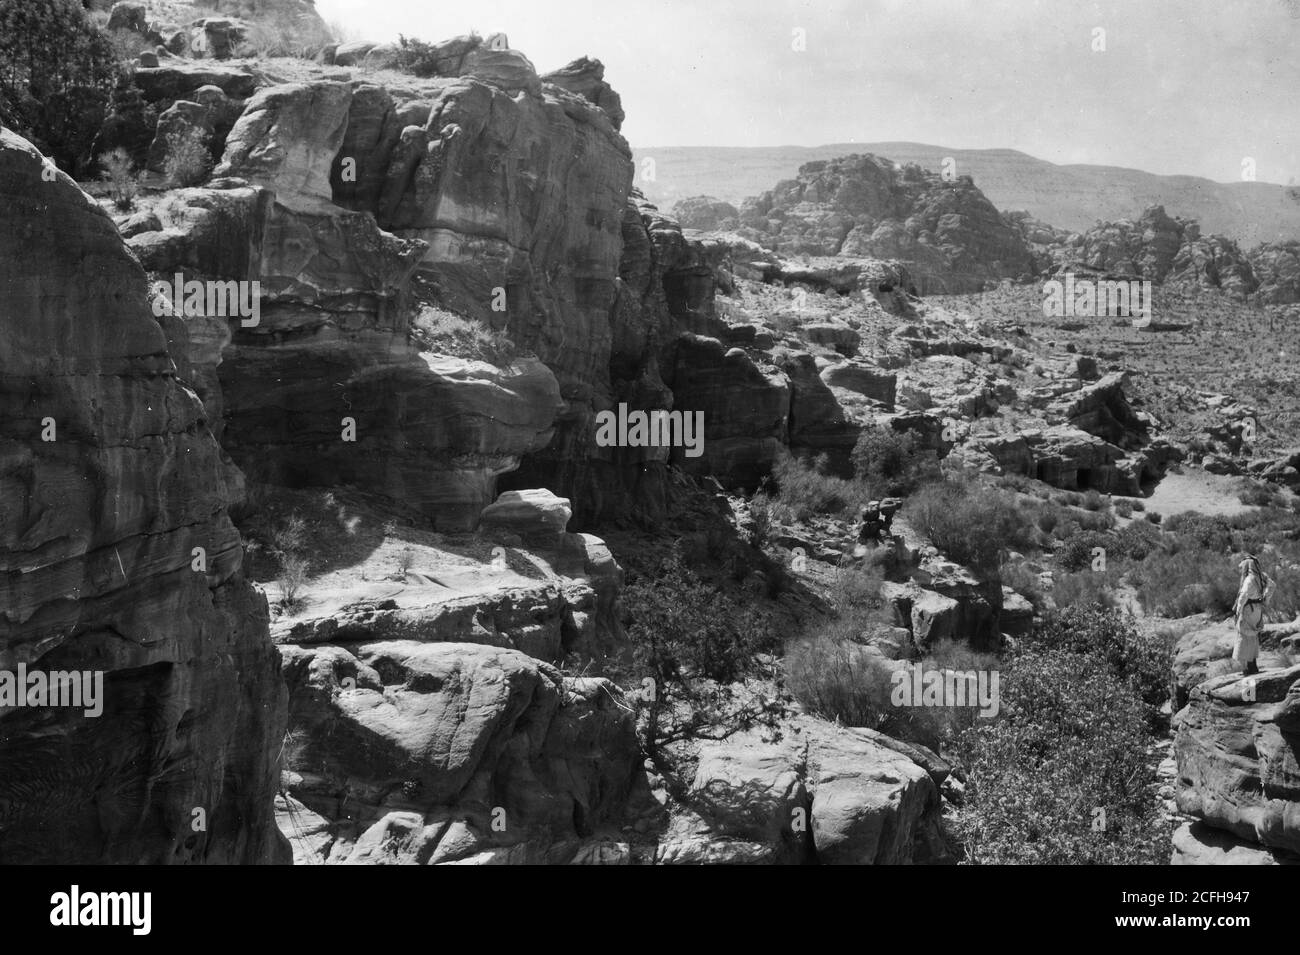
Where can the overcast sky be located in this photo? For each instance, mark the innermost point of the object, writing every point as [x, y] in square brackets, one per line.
[1183, 86]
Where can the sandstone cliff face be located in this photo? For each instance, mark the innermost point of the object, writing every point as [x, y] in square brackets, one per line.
[948, 234]
[332, 346]
[98, 528]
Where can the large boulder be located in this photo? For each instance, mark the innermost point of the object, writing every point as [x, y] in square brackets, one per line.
[460, 748]
[1236, 744]
[816, 793]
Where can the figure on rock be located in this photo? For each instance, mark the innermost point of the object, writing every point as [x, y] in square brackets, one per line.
[1256, 588]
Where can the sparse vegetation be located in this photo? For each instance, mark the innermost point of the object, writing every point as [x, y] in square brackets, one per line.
[438, 330]
[692, 641]
[119, 171]
[188, 161]
[971, 523]
[804, 488]
[892, 462]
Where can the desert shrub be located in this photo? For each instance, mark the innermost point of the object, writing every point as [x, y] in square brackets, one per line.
[1138, 505]
[56, 73]
[839, 680]
[1258, 493]
[806, 489]
[970, 523]
[188, 160]
[1155, 517]
[289, 536]
[436, 329]
[1026, 582]
[1198, 532]
[1076, 553]
[416, 56]
[119, 171]
[691, 640]
[293, 574]
[1086, 588]
[405, 557]
[1144, 658]
[1096, 520]
[1124, 507]
[1061, 752]
[127, 45]
[761, 518]
[893, 462]
[1135, 541]
[1093, 501]
[1185, 582]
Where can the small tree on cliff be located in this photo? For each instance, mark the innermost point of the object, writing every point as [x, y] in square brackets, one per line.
[689, 643]
[56, 73]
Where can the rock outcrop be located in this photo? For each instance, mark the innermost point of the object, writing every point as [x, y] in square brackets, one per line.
[821, 794]
[706, 213]
[428, 753]
[118, 558]
[1162, 249]
[949, 236]
[1236, 745]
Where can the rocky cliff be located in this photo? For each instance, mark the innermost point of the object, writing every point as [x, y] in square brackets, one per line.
[118, 558]
[948, 234]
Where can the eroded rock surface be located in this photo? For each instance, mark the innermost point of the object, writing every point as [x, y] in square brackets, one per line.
[99, 522]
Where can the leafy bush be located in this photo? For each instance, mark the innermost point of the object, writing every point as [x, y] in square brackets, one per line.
[1093, 500]
[1135, 540]
[56, 73]
[1061, 776]
[1076, 552]
[1059, 755]
[1132, 654]
[1199, 532]
[972, 524]
[892, 462]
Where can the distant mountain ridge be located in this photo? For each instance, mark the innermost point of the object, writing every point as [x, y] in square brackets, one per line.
[1071, 197]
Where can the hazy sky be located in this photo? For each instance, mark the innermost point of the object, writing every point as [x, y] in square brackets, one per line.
[1183, 86]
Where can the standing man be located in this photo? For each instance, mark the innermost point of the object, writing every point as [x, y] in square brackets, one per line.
[1256, 588]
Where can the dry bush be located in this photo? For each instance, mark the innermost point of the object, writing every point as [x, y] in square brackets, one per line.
[119, 172]
[438, 330]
